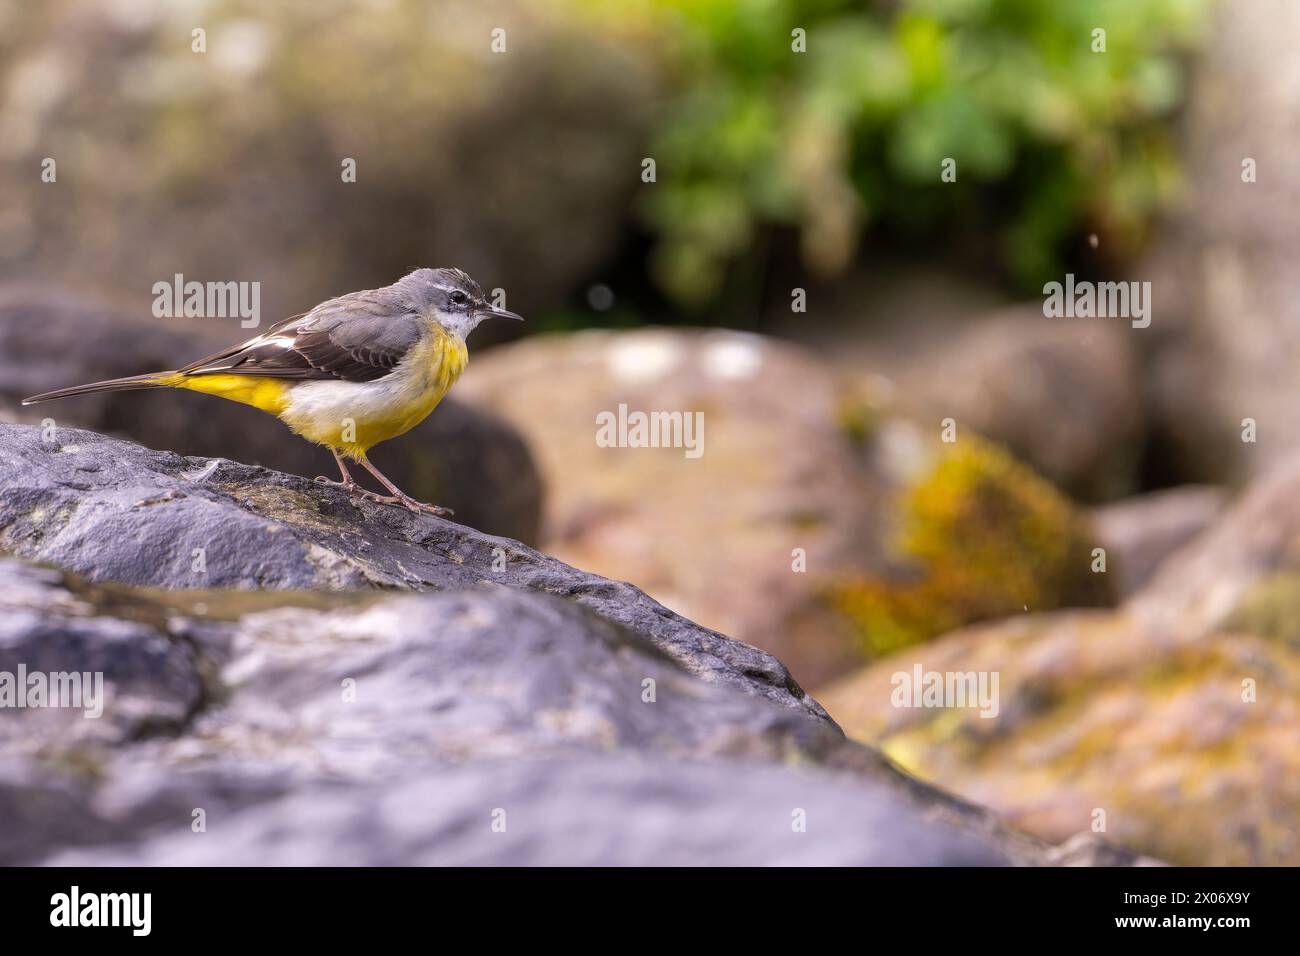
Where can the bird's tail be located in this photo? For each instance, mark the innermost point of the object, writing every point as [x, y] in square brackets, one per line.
[149, 380]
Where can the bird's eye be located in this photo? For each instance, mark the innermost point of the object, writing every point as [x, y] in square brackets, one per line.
[460, 298]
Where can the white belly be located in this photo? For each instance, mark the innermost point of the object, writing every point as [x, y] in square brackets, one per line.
[353, 416]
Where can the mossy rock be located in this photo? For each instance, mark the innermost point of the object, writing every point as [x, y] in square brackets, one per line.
[980, 536]
[1270, 608]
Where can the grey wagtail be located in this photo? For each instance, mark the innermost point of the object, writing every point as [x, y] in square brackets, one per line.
[352, 372]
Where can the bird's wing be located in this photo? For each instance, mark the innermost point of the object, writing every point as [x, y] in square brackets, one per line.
[356, 338]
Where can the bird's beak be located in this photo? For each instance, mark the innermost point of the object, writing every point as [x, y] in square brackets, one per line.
[492, 313]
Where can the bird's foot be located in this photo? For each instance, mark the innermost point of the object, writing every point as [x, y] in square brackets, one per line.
[419, 507]
[351, 487]
[406, 501]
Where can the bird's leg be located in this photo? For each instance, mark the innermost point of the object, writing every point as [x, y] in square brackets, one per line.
[400, 497]
[347, 484]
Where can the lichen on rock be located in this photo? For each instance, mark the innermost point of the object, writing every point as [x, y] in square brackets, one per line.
[979, 536]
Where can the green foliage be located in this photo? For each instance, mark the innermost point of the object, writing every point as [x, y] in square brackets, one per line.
[1051, 139]
[983, 537]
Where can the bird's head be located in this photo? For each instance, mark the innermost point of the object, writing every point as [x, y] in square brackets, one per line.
[452, 299]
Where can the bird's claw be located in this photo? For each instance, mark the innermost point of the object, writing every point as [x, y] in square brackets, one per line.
[419, 507]
[410, 504]
[349, 486]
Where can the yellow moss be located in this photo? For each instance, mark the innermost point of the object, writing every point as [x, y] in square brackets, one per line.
[981, 537]
[858, 419]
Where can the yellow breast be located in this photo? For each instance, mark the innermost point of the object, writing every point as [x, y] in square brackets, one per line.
[352, 417]
[436, 365]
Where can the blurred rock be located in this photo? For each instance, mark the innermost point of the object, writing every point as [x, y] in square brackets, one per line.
[799, 470]
[229, 165]
[1098, 712]
[399, 730]
[1227, 294]
[979, 536]
[1063, 395]
[1243, 573]
[1087, 849]
[1066, 396]
[459, 457]
[1139, 533]
[575, 812]
[714, 536]
[1176, 715]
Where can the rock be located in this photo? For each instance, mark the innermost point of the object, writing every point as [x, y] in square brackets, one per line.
[460, 457]
[582, 812]
[1065, 396]
[166, 164]
[713, 536]
[119, 512]
[1086, 849]
[802, 484]
[1175, 715]
[979, 536]
[1227, 295]
[296, 727]
[1244, 572]
[1139, 533]
[156, 681]
[397, 730]
[1100, 713]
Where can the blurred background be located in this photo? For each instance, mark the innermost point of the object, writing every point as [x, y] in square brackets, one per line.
[795, 265]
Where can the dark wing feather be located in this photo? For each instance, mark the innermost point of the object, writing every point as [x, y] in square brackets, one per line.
[355, 338]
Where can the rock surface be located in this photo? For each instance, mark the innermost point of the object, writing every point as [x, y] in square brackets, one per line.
[1066, 396]
[802, 489]
[461, 457]
[396, 731]
[159, 146]
[341, 727]
[713, 536]
[1063, 395]
[1225, 287]
[1140, 532]
[115, 511]
[583, 812]
[1244, 572]
[1176, 715]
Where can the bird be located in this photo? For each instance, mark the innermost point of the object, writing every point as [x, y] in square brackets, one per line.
[354, 371]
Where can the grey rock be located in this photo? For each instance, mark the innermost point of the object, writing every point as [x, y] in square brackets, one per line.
[611, 812]
[462, 703]
[114, 511]
[1063, 395]
[48, 626]
[387, 693]
[1224, 282]
[1139, 533]
[1087, 849]
[1246, 559]
[1066, 396]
